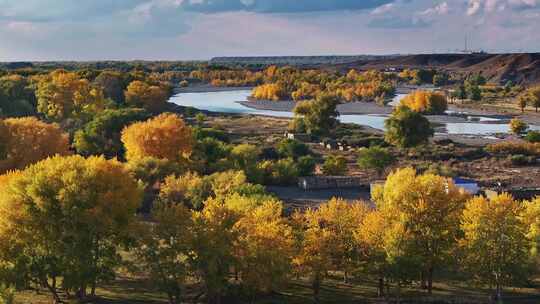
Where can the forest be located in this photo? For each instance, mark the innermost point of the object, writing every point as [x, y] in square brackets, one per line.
[102, 178]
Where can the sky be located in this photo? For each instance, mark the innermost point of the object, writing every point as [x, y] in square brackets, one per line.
[201, 29]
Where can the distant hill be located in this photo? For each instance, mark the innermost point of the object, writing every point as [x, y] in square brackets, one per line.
[522, 68]
[301, 61]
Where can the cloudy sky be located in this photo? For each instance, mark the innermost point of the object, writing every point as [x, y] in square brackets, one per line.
[201, 29]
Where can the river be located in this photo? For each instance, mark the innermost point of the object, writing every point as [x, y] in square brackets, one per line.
[227, 102]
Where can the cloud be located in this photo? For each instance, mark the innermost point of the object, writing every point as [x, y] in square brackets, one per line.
[492, 6]
[280, 6]
[199, 29]
[394, 22]
[440, 9]
[383, 9]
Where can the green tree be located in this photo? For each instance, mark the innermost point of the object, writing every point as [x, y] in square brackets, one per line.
[474, 93]
[113, 85]
[319, 115]
[376, 157]
[101, 136]
[440, 79]
[17, 98]
[306, 165]
[406, 128]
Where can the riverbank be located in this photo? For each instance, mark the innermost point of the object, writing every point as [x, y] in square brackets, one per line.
[208, 89]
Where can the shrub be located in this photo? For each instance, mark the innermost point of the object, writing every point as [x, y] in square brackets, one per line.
[306, 165]
[284, 172]
[281, 172]
[376, 158]
[514, 148]
[202, 133]
[292, 148]
[533, 137]
[521, 160]
[518, 126]
[335, 165]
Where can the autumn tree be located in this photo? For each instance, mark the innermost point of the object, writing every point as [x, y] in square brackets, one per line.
[375, 257]
[518, 126]
[150, 97]
[406, 128]
[523, 100]
[213, 238]
[165, 136]
[28, 140]
[326, 240]
[101, 136]
[426, 102]
[535, 97]
[495, 241]
[63, 95]
[271, 91]
[189, 190]
[264, 247]
[426, 209]
[63, 220]
[165, 247]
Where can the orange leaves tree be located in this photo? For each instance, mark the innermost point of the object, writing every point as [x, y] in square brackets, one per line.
[63, 220]
[426, 102]
[63, 95]
[142, 94]
[164, 137]
[27, 140]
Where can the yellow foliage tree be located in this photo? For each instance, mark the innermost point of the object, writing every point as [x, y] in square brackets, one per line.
[62, 95]
[165, 248]
[495, 241]
[272, 91]
[189, 190]
[212, 257]
[426, 102]
[264, 248]
[27, 140]
[142, 94]
[424, 211]
[165, 137]
[370, 241]
[63, 218]
[327, 240]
